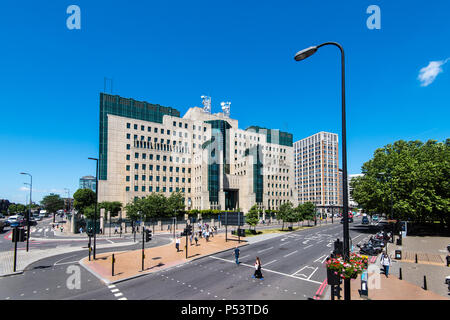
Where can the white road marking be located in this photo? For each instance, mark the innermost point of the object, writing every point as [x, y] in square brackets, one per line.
[308, 246]
[290, 254]
[118, 294]
[268, 270]
[284, 243]
[266, 264]
[265, 250]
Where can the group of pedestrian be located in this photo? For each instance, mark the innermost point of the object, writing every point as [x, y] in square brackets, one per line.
[257, 274]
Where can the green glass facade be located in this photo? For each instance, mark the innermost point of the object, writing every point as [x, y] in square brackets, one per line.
[258, 188]
[274, 136]
[219, 142]
[129, 108]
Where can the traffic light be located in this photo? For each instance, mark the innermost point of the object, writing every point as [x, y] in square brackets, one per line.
[23, 235]
[19, 235]
[189, 230]
[148, 235]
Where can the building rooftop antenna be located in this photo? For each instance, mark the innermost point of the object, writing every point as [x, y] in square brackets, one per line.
[226, 108]
[206, 101]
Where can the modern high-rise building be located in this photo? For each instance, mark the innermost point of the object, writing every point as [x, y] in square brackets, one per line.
[88, 182]
[316, 161]
[147, 148]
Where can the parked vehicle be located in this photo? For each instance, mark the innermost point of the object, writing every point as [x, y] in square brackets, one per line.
[375, 218]
[365, 220]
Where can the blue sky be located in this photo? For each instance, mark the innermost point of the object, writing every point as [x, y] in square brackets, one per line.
[171, 53]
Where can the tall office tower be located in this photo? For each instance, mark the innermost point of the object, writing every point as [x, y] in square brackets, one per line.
[316, 162]
[147, 148]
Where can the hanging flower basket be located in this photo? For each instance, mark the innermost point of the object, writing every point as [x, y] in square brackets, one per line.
[337, 267]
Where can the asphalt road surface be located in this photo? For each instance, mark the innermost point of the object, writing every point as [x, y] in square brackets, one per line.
[292, 266]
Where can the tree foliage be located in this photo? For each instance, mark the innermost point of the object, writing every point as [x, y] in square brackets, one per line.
[16, 208]
[52, 203]
[252, 217]
[83, 198]
[113, 207]
[156, 205]
[419, 174]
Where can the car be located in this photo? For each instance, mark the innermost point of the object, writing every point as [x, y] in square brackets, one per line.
[38, 218]
[33, 222]
[350, 220]
[365, 220]
[375, 218]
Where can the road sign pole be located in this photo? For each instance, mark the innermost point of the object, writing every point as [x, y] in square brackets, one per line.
[239, 228]
[15, 236]
[186, 240]
[143, 247]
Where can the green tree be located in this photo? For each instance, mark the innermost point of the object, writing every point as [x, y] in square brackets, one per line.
[286, 213]
[113, 207]
[252, 217]
[52, 203]
[308, 211]
[83, 198]
[175, 204]
[134, 209]
[16, 208]
[299, 213]
[419, 175]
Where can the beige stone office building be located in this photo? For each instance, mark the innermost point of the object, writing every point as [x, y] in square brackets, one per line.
[147, 148]
[317, 171]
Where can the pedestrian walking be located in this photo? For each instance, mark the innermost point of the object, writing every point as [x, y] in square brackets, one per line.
[81, 229]
[236, 255]
[207, 235]
[196, 241]
[190, 238]
[115, 230]
[385, 262]
[177, 244]
[258, 273]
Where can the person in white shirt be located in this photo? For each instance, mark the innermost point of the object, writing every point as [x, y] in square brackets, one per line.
[385, 262]
[177, 244]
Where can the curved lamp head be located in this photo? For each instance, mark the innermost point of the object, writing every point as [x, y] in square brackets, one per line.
[305, 53]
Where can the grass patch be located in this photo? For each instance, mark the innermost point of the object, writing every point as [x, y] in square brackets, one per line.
[250, 233]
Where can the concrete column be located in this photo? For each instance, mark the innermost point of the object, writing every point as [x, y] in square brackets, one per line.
[102, 219]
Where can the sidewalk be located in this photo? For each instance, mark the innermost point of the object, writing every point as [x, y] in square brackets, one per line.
[129, 264]
[431, 256]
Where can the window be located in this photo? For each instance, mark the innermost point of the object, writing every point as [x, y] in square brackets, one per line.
[136, 155]
[144, 156]
[128, 157]
[128, 146]
[128, 125]
[127, 188]
[149, 129]
[136, 166]
[156, 130]
[135, 127]
[128, 167]
[142, 128]
[136, 188]
[144, 167]
[136, 177]
[143, 188]
[128, 136]
[143, 177]
[127, 178]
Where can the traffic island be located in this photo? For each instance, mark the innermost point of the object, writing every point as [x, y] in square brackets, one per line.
[128, 264]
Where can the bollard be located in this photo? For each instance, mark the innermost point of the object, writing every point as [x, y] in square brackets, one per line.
[400, 277]
[416, 257]
[425, 283]
[90, 249]
[112, 261]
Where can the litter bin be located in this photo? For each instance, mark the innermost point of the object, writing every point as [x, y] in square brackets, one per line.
[398, 254]
[399, 241]
[448, 260]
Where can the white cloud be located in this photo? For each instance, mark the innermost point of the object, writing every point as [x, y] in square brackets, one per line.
[429, 73]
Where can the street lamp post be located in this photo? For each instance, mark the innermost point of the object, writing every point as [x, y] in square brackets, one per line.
[96, 201]
[29, 212]
[301, 55]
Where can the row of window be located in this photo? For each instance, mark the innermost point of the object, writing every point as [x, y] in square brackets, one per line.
[157, 178]
[158, 167]
[158, 189]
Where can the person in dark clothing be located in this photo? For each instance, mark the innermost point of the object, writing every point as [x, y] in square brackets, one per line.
[258, 273]
[236, 255]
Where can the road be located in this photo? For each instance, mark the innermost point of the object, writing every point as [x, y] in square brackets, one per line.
[292, 265]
